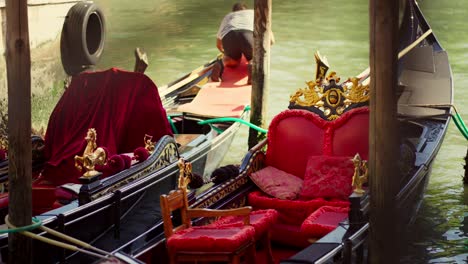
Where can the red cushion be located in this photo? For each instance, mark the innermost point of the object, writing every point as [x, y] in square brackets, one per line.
[291, 211]
[261, 220]
[323, 221]
[328, 177]
[211, 239]
[293, 135]
[277, 183]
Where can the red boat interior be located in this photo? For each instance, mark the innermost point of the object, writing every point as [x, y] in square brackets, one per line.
[306, 182]
[227, 98]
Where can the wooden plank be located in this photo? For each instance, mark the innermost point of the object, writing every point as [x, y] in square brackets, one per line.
[384, 175]
[260, 67]
[19, 126]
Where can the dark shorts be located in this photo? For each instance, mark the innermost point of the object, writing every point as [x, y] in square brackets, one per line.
[238, 42]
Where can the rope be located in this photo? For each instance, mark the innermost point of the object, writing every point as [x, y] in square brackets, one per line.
[38, 224]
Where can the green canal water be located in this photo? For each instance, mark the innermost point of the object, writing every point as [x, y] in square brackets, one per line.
[179, 35]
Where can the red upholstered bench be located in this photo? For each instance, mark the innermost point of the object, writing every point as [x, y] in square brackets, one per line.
[316, 155]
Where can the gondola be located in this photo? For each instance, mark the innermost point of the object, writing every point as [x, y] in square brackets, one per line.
[322, 138]
[112, 146]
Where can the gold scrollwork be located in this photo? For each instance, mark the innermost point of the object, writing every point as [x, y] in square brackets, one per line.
[357, 93]
[308, 96]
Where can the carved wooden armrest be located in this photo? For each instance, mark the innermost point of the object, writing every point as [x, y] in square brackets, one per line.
[202, 212]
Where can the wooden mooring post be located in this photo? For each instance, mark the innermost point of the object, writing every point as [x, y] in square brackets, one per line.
[260, 67]
[384, 175]
[18, 61]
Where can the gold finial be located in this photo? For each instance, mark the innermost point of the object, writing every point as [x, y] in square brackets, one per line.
[185, 170]
[322, 66]
[91, 156]
[149, 144]
[360, 166]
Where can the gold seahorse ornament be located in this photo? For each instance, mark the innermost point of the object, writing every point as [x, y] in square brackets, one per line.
[185, 171]
[360, 174]
[91, 156]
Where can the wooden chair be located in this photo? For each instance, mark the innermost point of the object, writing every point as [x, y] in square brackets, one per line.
[205, 243]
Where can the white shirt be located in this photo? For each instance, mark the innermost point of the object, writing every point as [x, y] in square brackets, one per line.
[237, 20]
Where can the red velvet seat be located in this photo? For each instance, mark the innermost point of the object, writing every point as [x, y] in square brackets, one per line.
[205, 243]
[293, 137]
[211, 239]
[291, 215]
[261, 220]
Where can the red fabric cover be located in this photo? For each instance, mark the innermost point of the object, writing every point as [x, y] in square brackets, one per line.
[122, 107]
[277, 183]
[328, 177]
[43, 198]
[294, 135]
[261, 220]
[211, 239]
[3, 154]
[291, 211]
[323, 221]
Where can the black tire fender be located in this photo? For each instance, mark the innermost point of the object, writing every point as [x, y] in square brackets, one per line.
[83, 35]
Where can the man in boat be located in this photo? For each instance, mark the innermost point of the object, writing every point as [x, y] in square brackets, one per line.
[235, 38]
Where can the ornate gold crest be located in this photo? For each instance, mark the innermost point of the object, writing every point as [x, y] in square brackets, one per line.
[326, 95]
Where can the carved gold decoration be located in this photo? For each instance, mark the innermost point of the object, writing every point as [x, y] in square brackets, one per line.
[185, 172]
[167, 156]
[92, 155]
[308, 96]
[360, 174]
[333, 97]
[326, 96]
[334, 77]
[357, 93]
[149, 144]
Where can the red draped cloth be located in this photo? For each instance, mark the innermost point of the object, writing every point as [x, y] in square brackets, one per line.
[122, 107]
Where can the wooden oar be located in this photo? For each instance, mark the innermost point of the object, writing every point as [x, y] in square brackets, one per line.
[364, 76]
